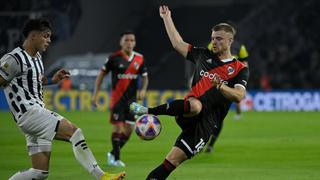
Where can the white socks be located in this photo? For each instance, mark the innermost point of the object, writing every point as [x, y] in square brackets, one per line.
[84, 155]
[30, 174]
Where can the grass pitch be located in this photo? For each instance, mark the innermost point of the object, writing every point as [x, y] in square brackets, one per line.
[262, 145]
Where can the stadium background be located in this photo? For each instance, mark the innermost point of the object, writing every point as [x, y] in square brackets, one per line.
[280, 36]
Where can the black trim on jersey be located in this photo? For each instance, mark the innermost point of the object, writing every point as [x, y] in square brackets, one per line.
[29, 75]
[40, 65]
[19, 79]
[42, 73]
[57, 126]
[14, 58]
[20, 61]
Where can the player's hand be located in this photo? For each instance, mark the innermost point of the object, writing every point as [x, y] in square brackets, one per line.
[216, 81]
[164, 11]
[59, 75]
[141, 94]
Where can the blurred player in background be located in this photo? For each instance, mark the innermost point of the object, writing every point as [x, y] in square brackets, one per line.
[125, 66]
[22, 76]
[218, 80]
[242, 56]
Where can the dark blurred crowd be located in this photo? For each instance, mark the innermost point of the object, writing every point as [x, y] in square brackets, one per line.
[64, 15]
[283, 45]
[280, 36]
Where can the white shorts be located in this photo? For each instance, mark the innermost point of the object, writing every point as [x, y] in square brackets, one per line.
[39, 126]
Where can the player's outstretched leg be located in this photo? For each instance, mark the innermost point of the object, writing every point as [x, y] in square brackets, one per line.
[174, 108]
[138, 109]
[68, 131]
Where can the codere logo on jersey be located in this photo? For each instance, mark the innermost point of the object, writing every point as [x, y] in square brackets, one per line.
[211, 76]
[207, 74]
[127, 76]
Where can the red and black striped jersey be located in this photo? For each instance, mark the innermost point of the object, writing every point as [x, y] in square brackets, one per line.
[232, 72]
[124, 74]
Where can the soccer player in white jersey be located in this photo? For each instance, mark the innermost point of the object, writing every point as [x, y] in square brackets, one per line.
[22, 77]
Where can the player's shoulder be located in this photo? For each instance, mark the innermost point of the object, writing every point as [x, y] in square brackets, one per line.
[11, 55]
[237, 64]
[15, 50]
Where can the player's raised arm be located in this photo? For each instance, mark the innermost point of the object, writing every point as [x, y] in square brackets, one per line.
[174, 36]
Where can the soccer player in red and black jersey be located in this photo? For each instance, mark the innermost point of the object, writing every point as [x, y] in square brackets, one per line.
[219, 80]
[126, 66]
[241, 55]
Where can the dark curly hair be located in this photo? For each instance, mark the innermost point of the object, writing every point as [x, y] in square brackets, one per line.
[36, 25]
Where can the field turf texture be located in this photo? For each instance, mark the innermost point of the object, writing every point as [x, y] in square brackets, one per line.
[261, 145]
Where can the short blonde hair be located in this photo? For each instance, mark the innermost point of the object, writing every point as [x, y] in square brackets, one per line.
[225, 27]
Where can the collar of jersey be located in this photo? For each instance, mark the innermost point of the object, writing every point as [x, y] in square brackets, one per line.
[227, 60]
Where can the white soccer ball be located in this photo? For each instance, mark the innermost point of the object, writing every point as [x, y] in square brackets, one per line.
[148, 126]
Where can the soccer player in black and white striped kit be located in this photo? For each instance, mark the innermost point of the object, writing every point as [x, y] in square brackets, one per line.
[22, 77]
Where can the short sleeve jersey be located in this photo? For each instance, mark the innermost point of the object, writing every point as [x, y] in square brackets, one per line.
[207, 64]
[124, 74]
[24, 75]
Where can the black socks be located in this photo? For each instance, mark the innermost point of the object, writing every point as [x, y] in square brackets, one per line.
[174, 108]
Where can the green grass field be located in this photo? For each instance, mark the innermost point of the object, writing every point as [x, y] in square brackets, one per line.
[262, 145]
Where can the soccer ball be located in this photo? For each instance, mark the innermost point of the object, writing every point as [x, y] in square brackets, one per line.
[148, 126]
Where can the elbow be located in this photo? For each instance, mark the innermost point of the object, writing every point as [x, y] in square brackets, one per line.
[238, 97]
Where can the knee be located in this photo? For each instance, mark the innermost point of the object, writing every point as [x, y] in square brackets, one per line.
[66, 130]
[195, 106]
[174, 161]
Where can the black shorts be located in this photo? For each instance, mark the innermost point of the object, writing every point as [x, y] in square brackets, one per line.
[121, 114]
[196, 132]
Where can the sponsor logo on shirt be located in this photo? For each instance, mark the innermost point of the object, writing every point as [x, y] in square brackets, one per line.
[207, 74]
[127, 76]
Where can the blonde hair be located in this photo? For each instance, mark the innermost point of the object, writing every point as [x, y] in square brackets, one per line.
[225, 27]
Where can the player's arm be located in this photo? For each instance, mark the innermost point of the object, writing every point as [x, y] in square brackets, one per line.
[97, 86]
[235, 94]
[238, 92]
[174, 36]
[144, 86]
[57, 77]
[9, 68]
